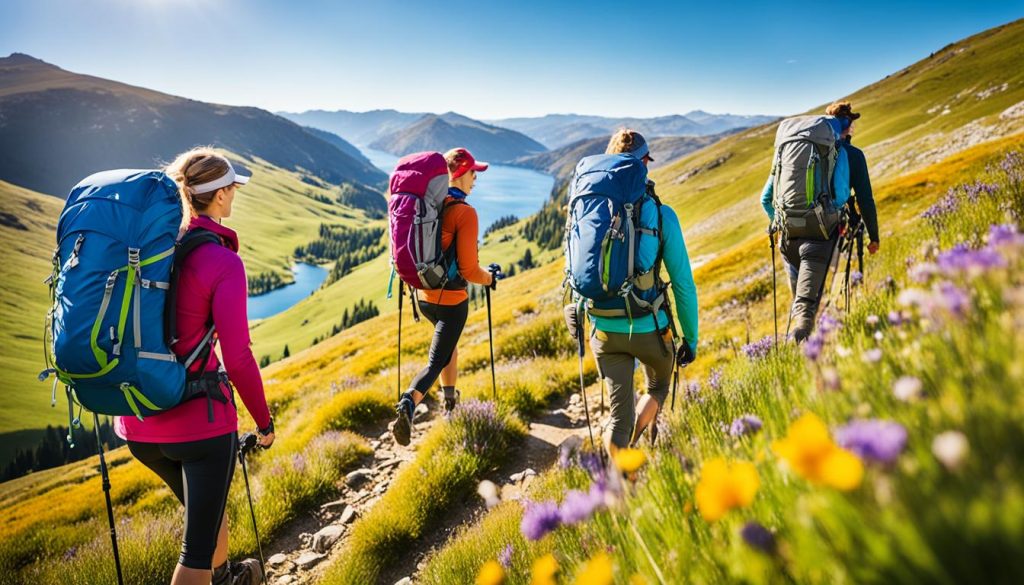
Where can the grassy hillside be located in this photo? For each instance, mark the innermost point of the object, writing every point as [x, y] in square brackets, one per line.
[28, 221]
[905, 126]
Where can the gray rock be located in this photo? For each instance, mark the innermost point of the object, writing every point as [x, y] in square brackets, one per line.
[421, 409]
[308, 560]
[575, 398]
[348, 515]
[404, 581]
[385, 437]
[354, 478]
[286, 580]
[325, 538]
[278, 559]
[375, 444]
[306, 539]
[334, 504]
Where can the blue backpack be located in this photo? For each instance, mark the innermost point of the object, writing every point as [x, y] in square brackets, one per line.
[113, 290]
[613, 238]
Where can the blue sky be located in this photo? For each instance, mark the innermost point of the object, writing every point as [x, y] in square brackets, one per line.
[495, 59]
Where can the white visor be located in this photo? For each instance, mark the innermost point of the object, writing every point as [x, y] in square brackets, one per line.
[229, 178]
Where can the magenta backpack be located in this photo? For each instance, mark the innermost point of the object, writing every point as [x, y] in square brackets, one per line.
[419, 187]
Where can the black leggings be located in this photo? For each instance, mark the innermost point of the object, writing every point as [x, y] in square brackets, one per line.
[448, 320]
[199, 473]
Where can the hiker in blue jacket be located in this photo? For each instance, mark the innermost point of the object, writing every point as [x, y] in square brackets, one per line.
[862, 204]
[808, 260]
[618, 341]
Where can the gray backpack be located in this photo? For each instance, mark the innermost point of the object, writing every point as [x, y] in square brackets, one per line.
[805, 159]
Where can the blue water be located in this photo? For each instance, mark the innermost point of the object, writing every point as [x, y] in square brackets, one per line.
[500, 190]
[308, 278]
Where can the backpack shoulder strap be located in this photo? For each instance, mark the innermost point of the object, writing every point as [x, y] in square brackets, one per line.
[182, 249]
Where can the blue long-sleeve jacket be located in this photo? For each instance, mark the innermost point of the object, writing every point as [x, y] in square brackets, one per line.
[840, 184]
[684, 292]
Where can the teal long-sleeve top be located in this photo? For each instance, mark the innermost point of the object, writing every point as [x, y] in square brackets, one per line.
[840, 184]
[684, 292]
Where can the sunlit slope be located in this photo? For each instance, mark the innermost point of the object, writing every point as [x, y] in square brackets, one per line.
[315, 316]
[27, 224]
[961, 95]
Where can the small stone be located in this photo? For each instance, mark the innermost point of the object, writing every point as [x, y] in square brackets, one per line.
[308, 560]
[574, 398]
[380, 488]
[388, 463]
[306, 539]
[516, 477]
[384, 437]
[325, 538]
[334, 504]
[375, 444]
[354, 478]
[421, 409]
[404, 581]
[286, 580]
[278, 559]
[361, 495]
[348, 515]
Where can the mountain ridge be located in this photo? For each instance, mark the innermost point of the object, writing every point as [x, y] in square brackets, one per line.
[89, 123]
[441, 132]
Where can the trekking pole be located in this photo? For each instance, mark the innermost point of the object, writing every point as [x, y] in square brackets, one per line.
[247, 443]
[775, 302]
[106, 493]
[846, 277]
[580, 352]
[401, 293]
[490, 342]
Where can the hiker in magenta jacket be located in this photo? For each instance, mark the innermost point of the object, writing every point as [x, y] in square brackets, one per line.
[193, 446]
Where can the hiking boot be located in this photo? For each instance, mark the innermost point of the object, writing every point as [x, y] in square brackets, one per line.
[245, 572]
[402, 429]
[450, 402]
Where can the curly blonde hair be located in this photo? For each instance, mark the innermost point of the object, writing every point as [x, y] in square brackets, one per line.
[623, 141]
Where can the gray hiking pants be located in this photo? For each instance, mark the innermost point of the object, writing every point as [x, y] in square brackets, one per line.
[616, 355]
[807, 263]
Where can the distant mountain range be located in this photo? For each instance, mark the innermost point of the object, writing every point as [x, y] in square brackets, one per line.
[359, 128]
[562, 161]
[57, 127]
[558, 130]
[445, 131]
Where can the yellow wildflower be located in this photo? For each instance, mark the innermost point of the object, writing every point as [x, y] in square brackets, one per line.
[811, 454]
[724, 486]
[544, 570]
[629, 460]
[597, 571]
[490, 574]
[637, 579]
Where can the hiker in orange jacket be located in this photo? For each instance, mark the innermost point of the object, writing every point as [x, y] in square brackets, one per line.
[447, 308]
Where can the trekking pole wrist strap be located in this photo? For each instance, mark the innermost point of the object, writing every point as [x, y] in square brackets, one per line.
[268, 429]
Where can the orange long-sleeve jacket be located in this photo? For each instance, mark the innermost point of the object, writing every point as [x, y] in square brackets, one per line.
[461, 224]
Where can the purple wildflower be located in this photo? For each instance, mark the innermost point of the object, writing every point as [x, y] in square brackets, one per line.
[505, 556]
[827, 323]
[759, 349]
[895, 318]
[70, 553]
[539, 518]
[875, 440]
[715, 379]
[814, 345]
[748, 424]
[923, 272]
[856, 277]
[872, 320]
[692, 393]
[1004, 235]
[961, 259]
[579, 506]
[952, 298]
[936, 214]
[758, 538]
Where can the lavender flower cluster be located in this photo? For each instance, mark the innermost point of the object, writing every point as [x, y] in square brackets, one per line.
[875, 440]
[759, 349]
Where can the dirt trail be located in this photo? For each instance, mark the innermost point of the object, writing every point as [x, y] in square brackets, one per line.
[299, 554]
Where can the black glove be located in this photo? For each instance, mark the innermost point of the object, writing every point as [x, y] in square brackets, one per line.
[572, 320]
[495, 269]
[684, 355]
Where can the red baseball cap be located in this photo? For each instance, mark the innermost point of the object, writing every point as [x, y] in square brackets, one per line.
[463, 162]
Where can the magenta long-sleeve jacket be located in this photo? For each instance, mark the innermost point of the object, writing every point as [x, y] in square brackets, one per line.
[212, 283]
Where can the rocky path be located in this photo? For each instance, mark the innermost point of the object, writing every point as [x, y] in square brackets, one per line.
[300, 553]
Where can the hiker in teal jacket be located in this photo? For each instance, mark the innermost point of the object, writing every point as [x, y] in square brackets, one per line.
[808, 260]
[618, 342]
